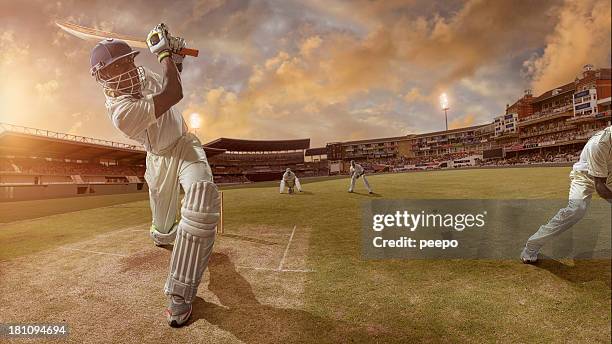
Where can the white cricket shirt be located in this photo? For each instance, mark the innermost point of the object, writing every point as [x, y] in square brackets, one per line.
[288, 176]
[596, 156]
[135, 118]
[358, 170]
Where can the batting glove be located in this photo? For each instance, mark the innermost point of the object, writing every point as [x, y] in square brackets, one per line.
[158, 41]
[176, 45]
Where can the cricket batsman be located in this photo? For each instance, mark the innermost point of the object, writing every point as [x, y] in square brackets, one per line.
[592, 173]
[290, 180]
[140, 104]
[357, 171]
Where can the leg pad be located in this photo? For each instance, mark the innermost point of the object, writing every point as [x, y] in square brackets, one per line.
[194, 240]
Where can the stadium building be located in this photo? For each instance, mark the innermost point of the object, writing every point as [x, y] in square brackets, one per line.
[448, 148]
[244, 161]
[37, 164]
[452, 144]
[383, 151]
[316, 161]
[41, 164]
[552, 127]
[561, 120]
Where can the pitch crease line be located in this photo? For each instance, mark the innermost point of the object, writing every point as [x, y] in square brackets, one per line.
[280, 266]
[96, 252]
[272, 269]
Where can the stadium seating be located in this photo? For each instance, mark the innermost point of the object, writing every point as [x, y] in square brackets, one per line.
[28, 166]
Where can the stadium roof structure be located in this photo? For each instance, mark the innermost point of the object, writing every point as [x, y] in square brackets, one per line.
[316, 151]
[237, 145]
[377, 140]
[569, 87]
[452, 131]
[23, 141]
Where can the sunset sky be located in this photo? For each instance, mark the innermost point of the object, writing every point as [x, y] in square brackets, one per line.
[326, 69]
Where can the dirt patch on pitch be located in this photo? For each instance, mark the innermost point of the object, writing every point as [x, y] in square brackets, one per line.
[148, 260]
[110, 289]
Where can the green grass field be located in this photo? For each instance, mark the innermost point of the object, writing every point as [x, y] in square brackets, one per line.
[347, 299]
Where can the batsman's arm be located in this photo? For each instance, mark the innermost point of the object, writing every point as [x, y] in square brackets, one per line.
[602, 189]
[172, 91]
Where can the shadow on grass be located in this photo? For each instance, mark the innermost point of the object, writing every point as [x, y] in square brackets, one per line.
[583, 270]
[373, 194]
[298, 193]
[252, 322]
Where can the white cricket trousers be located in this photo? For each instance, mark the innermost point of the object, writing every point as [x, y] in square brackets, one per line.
[365, 181]
[182, 164]
[582, 187]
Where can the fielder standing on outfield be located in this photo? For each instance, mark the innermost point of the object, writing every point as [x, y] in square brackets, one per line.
[140, 104]
[592, 173]
[290, 180]
[355, 172]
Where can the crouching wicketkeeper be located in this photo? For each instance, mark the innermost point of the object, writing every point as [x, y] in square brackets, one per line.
[290, 180]
[140, 104]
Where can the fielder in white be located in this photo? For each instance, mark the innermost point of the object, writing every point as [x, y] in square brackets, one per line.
[592, 173]
[355, 172]
[290, 180]
[140, 104]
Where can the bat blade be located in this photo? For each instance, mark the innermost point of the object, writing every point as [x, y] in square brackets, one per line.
[91, 34]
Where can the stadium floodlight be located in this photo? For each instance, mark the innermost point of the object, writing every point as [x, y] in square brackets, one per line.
[194, 122]
[445, 107]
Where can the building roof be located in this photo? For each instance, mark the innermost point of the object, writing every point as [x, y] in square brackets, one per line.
[316, 151]
[452, 131]
[569, 87]
[237, 145]
[24, 141]
[378, 140]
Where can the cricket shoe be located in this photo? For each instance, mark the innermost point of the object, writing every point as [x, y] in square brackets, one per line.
[178, 312]
[163, 239]
[529, 256]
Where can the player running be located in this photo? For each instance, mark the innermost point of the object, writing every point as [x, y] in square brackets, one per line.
[290, 180]
[592, 173]
[355, 172]
[140, 104]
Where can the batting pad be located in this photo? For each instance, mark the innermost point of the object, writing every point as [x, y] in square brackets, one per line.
[194, 240]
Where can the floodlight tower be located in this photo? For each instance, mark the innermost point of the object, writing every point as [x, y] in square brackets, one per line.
[445, 107]
[194, 121]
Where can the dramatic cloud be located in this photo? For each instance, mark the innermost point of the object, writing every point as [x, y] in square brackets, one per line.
[461, 122]
[581, 36]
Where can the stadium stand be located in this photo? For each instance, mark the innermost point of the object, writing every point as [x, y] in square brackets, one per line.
[261, 160]
[36, 163]
[551, 128]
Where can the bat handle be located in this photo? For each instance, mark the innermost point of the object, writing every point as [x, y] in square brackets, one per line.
[189, 52]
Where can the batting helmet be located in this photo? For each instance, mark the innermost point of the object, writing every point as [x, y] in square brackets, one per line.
[106, 53]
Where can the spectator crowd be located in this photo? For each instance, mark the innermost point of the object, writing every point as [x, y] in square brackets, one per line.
[53, 167]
